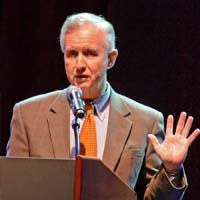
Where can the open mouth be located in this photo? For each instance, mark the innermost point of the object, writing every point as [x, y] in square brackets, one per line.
[81, 78]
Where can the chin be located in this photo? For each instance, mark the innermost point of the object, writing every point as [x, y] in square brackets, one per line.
[84, 87]
[81, 84]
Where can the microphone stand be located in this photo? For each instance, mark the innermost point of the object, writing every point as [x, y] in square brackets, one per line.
[76, 126]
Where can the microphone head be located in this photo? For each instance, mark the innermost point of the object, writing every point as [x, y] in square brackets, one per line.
[73, 89]
[74, 96]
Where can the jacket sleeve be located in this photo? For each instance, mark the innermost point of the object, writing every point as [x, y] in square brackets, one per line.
[18, 142]
[153, 175]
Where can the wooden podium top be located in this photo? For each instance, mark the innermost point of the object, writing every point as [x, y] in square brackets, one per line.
[36, 179]
[60, 179]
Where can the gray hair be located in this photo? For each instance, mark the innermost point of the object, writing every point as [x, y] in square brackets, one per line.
[76, 20]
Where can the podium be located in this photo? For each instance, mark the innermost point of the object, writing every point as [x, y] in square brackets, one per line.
[60, 179]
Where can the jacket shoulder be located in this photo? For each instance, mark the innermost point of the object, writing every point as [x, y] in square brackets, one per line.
[139, 108]
[42, 99]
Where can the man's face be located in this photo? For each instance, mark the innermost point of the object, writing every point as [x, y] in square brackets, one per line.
[87, 59]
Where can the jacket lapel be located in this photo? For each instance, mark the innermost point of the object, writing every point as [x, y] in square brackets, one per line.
[59, 125]
[119, 128]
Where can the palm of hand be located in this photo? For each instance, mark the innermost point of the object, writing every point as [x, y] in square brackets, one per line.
[173, 151]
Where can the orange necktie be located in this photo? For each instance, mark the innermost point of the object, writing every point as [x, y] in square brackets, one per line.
[88, 143]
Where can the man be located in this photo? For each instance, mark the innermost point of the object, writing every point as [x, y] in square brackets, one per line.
[130, 136]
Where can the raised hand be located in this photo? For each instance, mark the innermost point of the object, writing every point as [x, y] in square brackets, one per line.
[173, 150]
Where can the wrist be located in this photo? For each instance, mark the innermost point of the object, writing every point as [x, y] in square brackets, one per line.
[175, 176]
[173, 171]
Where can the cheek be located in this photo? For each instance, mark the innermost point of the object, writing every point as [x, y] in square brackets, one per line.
[99, 73]
[68, 67]
[100, 67]
[68, 71]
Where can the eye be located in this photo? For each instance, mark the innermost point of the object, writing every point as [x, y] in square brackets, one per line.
[71, 53]
[90, 52]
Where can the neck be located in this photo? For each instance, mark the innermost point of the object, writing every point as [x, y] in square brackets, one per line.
[92, 94]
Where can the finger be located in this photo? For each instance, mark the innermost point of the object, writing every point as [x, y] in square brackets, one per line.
[181, 122]
[187, 127]
[170, 124]
[193, 136]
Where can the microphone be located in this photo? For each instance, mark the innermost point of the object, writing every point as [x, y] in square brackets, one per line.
[74, 96]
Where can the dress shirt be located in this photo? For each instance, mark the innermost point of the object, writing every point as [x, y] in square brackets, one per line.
[101, 112]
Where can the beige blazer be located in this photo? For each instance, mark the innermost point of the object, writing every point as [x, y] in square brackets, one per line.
[40, 128]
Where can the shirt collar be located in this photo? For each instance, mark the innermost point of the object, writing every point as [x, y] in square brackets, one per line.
[101, 102]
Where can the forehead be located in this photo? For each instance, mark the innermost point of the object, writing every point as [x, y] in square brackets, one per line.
[86, 35]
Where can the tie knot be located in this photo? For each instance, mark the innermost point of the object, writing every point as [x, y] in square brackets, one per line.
[89, 107]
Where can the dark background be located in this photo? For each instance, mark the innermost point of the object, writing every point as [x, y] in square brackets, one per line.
[158, 64]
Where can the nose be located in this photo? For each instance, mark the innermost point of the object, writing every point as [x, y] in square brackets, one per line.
[80, 62]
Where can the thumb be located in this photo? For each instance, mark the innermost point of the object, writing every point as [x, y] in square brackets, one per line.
[154, 141]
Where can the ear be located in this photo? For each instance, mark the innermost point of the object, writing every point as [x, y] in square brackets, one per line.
[112, 58]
